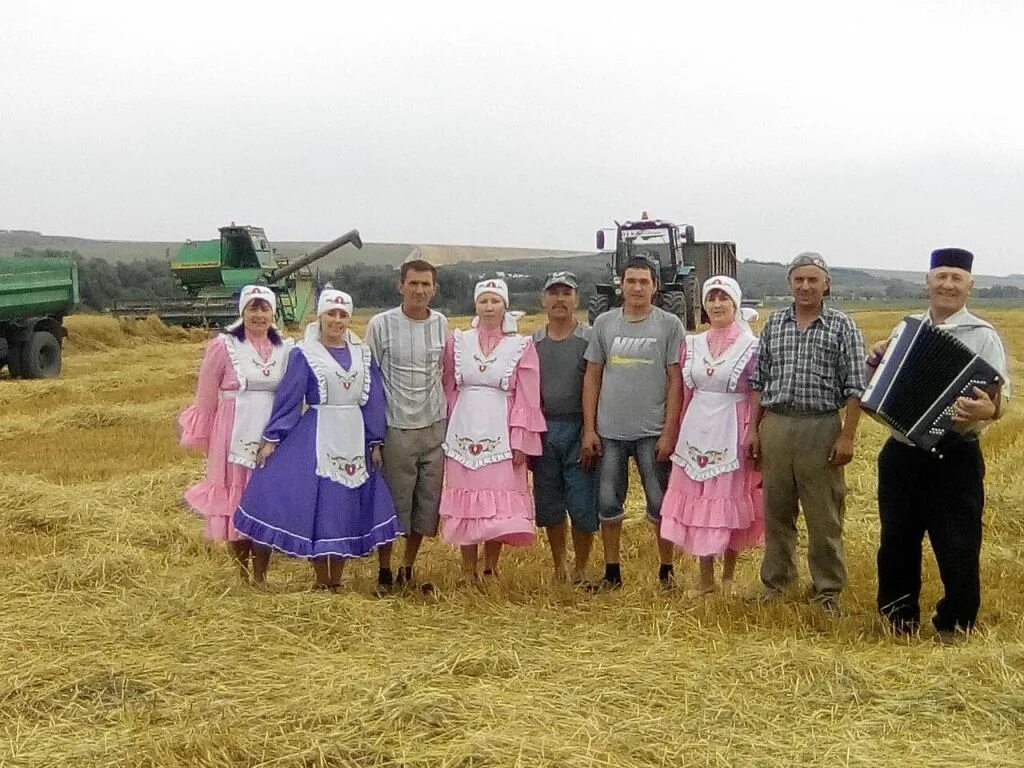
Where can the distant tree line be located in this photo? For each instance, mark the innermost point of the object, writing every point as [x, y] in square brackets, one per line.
[102, 282]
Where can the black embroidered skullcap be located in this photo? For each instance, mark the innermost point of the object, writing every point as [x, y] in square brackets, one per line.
[952, 257]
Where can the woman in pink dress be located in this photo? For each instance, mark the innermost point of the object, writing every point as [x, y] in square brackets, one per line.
[238, 376]
[713, 503]
[491, 377]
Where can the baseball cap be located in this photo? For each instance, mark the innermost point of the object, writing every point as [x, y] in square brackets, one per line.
[808, 259]
[562, 278]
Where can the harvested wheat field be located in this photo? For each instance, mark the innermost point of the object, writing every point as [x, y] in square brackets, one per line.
[125, 640]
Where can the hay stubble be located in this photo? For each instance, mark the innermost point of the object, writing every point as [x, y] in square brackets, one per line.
[125, 640]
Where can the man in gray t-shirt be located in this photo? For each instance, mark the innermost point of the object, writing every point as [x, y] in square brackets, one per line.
[407, 342]
[632, 395]
[561, 484]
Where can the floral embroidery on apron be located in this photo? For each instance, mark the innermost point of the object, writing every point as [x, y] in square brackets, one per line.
[478, 432]
[340, 431]
[254, 400]
[709, 435]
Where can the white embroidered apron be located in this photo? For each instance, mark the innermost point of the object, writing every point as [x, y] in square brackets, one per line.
[340, 435]
[708, 438]
[254, 399]
[478, 432]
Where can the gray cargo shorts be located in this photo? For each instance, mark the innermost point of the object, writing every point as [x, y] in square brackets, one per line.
[414, 472]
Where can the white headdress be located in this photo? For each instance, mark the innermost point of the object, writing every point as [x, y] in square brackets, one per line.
[499, 287]
[333, 299]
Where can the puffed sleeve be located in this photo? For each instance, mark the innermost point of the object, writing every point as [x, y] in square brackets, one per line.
[288, 398]
[526, 420]
[375, 418]
[451, 389]
[196, 421]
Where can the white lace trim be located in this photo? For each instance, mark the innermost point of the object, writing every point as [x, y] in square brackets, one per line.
[506, 380]
[741, 363]
[229, 345]
[312, 336]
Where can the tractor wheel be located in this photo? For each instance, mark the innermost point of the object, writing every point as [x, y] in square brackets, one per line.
[674, 302]
[41, 356]
[598, 305]
[15, 360]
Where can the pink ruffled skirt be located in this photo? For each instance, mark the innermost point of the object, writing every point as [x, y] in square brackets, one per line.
[709, 517]
[493, 503]
[216, 497]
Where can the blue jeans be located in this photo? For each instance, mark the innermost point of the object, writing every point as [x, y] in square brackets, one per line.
[560, 483]
[613, 477]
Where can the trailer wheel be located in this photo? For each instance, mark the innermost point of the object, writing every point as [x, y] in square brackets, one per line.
[598, 305]
[674, 302]
[15, 361]
[41, 356]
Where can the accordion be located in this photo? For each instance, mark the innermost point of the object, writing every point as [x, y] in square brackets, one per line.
[923, 372]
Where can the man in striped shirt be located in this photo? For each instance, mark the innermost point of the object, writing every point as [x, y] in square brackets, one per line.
[407, 343]
[809, 367]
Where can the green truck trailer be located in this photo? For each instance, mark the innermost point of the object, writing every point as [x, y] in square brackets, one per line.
[35, 296]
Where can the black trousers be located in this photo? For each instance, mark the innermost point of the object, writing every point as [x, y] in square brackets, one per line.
[920, 493]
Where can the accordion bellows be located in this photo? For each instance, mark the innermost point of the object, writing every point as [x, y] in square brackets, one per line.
[924, 370]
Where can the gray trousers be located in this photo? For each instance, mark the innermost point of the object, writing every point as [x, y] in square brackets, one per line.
[796, 474]
[414, 471]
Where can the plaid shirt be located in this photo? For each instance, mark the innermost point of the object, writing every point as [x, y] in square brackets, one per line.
[815, 369]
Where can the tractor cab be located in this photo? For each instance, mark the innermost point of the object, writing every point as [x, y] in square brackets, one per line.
[660, 242]
[681, 263]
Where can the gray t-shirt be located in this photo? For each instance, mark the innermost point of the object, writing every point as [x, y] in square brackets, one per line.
[409, 355]
[561, 372]
[635, 356]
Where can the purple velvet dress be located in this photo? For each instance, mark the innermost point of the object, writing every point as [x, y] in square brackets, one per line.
[289, 507]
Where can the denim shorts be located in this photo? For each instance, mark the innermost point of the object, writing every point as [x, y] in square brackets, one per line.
[560, 483]
[613, 477]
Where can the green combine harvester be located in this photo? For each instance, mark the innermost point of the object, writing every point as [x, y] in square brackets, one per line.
[212, 273]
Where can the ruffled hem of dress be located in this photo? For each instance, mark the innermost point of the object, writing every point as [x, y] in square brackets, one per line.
[299, 546]
[221, 528]
[209, 500]
[709, 512]
[514, 531]
[470, 504]
[196, 425]
[706, 542]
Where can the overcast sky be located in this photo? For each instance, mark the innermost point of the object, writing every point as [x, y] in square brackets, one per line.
[871, 132]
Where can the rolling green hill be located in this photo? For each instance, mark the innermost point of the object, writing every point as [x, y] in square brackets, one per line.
[758, 278]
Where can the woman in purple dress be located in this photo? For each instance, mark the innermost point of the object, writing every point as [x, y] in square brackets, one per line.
[318, 492]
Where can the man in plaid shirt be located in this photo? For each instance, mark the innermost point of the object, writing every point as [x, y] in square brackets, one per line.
[810, 366]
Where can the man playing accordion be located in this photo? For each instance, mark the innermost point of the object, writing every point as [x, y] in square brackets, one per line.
[939, 493]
